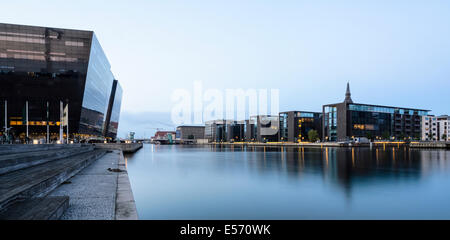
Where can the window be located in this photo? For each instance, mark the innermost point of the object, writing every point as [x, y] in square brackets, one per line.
[72, 43]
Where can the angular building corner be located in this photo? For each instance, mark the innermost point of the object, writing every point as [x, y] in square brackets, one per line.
[347, 120]
[42, 68]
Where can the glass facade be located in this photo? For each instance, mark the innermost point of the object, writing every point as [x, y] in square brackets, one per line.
[382, 109]
[44, 66]
[99, 81]
[330, 123]
[305, 115]
[304, 125]
[236, 131]
[43, 50]
[209, 130]
[250, 128]
[295, 125]
[267, 128]
[221, 132]
[345, 121]
[216, 130]
[380, 121]
[366, 124]
[284, 134]
[115, 113]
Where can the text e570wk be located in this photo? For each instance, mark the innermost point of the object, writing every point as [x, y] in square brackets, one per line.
[244, 229]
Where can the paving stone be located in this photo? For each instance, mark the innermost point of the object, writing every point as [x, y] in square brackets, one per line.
[92, 191]
[102, 208]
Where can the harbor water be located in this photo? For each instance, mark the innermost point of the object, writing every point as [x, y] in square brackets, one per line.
[238, 182]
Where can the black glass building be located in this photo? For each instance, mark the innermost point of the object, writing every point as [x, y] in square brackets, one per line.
[250, 129]
[267, 128]
[40, 67]
[236, 131]
[347, 120]
[295, 125]
[216, 130]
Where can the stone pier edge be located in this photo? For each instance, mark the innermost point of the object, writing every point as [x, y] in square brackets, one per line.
[125, 204]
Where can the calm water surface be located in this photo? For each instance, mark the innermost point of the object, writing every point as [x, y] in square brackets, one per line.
[208, 182]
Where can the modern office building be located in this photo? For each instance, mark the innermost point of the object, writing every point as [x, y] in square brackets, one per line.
[164, 137]
[236, 131]
[250, 129]
[295, 125]
[436, 128]
[43, 70]
[256, 129]
[343, 121]
[190, 132]
[225, 131]
[267, 127]
[216, 130]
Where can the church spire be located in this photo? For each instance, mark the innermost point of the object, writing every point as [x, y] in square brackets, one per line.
[348, 95]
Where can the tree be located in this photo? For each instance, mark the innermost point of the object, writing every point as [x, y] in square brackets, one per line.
[444, 136]
[386, 135]
[417, 137]
[369, 136]
[313, 136]
[191, 136]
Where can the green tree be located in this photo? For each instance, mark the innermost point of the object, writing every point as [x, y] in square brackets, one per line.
[386, 135]
[417, 137]
[369, 136]
[444, 136]
[313, 135]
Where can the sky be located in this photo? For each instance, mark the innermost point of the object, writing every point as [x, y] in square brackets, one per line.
[394, 53]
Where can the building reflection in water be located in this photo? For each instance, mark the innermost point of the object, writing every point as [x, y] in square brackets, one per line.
[250, 182]
[433, 161]
[344, 166]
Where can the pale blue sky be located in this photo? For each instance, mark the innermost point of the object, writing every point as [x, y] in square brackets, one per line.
[392, 52]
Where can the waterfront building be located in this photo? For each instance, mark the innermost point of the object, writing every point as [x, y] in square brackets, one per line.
[190, 132]
[295, 125]
[47, 73]
[164, 137]
[230, 130]
[216, 130]
[346, 120]
[250, 129]
[436, 128]
[267, 127]
[235, 131]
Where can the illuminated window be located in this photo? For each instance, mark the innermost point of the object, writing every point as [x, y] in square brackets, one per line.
[369, 127]
[358, 126]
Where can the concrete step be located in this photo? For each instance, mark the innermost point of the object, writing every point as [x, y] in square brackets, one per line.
[17, 161]
[22, 148]
[39, 180]
[46, 208]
